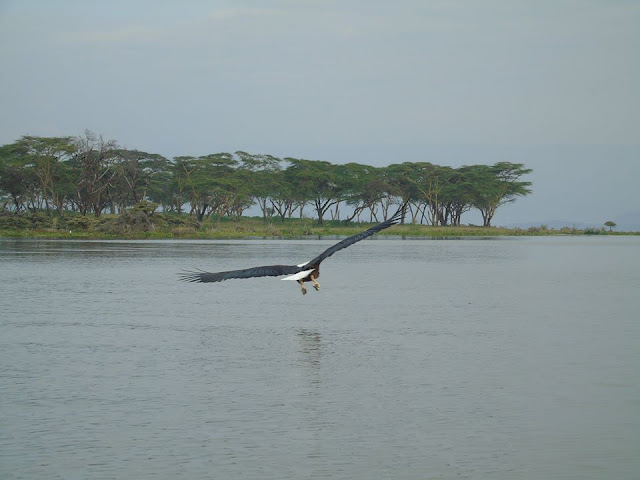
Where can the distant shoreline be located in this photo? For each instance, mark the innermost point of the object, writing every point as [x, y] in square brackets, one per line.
[251, 228]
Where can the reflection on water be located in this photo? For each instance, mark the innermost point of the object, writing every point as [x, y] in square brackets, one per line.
[310, 346]
[501, 359]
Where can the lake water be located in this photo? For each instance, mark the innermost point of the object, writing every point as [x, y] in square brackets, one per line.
[509, 358]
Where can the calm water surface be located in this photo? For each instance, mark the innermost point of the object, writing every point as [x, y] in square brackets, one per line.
[418, 359]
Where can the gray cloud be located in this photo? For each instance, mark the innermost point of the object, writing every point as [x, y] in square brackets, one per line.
[549, 82]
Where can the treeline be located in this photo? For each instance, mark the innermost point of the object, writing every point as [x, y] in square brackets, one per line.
[91, 176]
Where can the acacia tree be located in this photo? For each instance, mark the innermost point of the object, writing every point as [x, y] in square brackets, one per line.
[220, 182]
[497, 185]
[161, 189]
[47, 157]
[438, 183]
[431, 180]
[282, 193]
[239, 192]
[457, 195]
[209, 183]
[364, 188]
[16, 179]
[401, 182]
[175, 192]
[88, 174]
[264, 170]
[319, 181]
[194, 184]
[93, 165]
[134, 174]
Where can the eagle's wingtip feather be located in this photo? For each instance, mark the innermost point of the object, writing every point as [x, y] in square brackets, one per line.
[191, 275]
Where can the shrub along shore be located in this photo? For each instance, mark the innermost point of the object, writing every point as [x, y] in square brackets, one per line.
[145, 225]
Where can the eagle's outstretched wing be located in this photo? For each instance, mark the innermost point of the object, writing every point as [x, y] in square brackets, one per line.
[266, 271]
[359, 236]
[278, 270]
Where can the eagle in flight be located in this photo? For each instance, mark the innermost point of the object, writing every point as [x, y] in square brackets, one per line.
[305, 272]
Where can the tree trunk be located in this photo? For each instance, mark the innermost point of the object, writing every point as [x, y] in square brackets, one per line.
[200, 213]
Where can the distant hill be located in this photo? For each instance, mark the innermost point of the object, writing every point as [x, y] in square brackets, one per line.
[628, 222]
[555, 224]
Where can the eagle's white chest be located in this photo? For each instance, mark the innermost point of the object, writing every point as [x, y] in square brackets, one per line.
[299, 275]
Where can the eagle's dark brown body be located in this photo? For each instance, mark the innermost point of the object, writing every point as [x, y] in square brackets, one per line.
[312, 277]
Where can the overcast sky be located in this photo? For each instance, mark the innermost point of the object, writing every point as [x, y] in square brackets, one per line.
[554, 84]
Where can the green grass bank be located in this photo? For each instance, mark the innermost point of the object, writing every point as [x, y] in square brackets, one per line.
[140, 225]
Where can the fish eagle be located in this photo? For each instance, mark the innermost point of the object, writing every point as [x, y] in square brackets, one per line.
[304, 272]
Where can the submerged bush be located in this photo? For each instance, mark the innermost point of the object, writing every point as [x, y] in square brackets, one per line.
[39, 220]
[128, 221]
[146, 207]
[143, 219]
[13, 221]
[569, 230]
[80, 222]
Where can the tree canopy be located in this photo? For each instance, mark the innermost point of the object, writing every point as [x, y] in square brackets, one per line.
[89, 175]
